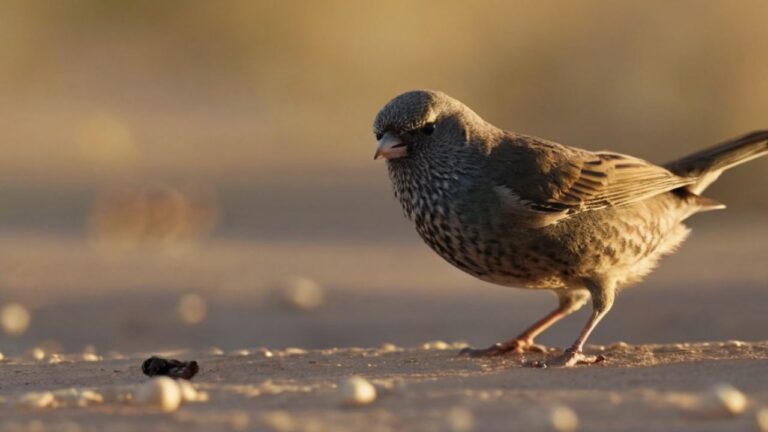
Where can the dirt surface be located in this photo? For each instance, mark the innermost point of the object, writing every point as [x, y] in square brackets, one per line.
[97, 314]
[643, 387]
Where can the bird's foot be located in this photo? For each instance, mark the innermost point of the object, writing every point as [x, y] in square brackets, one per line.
[499, 349]
[569, 358]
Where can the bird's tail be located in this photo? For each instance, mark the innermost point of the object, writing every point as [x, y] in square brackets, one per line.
[708, 164]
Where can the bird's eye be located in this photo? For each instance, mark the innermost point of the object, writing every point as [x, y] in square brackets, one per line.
[428, 128]
[379, 135]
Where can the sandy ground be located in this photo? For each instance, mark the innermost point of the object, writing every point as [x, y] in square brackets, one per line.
[124, 306]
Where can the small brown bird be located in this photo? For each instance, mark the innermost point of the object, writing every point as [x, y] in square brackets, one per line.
[521, 211]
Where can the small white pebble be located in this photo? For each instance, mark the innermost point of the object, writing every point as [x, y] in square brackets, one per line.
[734, 343]
[240, 353]
[294, 351]
[621, 345]
[37, 354]
[215, 351]
[301, 293]
[91, 357]
[388, 348]
[2, 357]
[356, 390]
[762, 420]
[14, 319]
[563, 418]
[460, 419]
[162, 393]
[723, 400]
[280, 421]
[437, 345]
[191, 309]
[189, 393]
[265, 352]
[37, 400]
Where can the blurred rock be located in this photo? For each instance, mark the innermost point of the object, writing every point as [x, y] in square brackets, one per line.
[14, 318]
[160, 393]
[722, 400]
[301, 293]
[356, 390]
[192, 309]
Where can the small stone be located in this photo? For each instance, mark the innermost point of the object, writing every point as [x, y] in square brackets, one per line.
[436, 345]
[762, 420]
[240, 353]
[563, 418]
[301, 293]
[14, 319]
[723, 400]
[388, 348]
[265, 352]
[37, 400]
[280, 421]
[734, 343]
[618, 346]
[190, 394]
[356, 391]
[294, 351]
[215, 351]
[91, 357]
[460, 419]
[161, 393]
[191, 309]
[37, 354]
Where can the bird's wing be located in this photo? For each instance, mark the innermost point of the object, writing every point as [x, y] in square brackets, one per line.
[548, 181]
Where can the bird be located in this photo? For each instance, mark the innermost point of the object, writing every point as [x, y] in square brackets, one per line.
[521, 211]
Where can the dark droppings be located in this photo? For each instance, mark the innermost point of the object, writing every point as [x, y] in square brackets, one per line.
[157, 366]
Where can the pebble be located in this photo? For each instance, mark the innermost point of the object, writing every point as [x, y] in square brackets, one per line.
[240, 353]
[437, 345]
[37, 400]
[722, 400]
[563, 418]
[762, 420]
[734, 343]
[301, 293]
[293, 351]
[621, 345]
[215, 351]
[265, 352]
[91, 357]
[191, 309]
[389, 348]
[189, 393]
[14, 319]
[356, 391]
[460, 419]
[37, 354]
[162, 393]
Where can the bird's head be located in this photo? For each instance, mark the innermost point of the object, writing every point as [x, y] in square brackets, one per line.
[422, 122]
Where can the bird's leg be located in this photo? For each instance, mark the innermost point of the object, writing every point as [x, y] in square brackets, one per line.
[570, 301]
[603, 294]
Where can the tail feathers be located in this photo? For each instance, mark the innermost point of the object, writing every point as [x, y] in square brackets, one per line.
[709, 163]
[698, 203]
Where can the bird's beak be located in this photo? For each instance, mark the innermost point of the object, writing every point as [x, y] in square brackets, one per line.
[390, 147]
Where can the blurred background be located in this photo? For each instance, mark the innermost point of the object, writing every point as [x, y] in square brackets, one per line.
[184, 174]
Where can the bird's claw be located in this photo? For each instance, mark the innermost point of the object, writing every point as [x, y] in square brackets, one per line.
[569, 358]
[499, 349]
